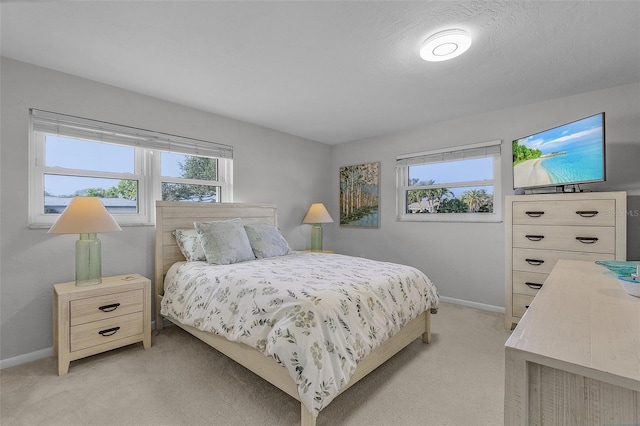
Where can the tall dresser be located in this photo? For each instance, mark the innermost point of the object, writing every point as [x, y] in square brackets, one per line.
[540, 229]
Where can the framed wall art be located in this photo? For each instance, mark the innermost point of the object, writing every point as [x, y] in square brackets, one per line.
[360, 195]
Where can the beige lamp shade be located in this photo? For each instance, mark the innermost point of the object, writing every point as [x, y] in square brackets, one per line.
[317, 214]
[85, 215]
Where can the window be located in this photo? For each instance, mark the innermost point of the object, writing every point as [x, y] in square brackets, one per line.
[458, 184]
[128, 168]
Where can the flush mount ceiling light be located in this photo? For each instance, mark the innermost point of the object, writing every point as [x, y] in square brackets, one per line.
[445, 45]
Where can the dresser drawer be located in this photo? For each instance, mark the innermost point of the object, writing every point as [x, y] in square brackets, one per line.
[543, 261]
[591, 239]
[528, 283]
[520, 304]
[105, 331]
[107, 306]
[566, 212]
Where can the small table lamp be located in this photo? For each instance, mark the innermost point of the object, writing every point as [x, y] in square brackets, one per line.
[86, 216]
[317, 215]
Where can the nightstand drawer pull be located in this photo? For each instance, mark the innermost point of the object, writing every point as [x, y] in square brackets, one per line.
[535, 262]
[109, 331]
[534, 214]
[587, 213]
[534, 237]
[535, 286]
[109, 308]
[587, 240]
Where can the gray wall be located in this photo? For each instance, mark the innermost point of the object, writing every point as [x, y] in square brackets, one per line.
[269, 167]
[466, 260]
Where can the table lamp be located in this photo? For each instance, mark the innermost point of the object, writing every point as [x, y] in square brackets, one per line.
[86, 216]
[317, 215]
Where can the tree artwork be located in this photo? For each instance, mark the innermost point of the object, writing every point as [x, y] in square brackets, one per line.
[359, 195]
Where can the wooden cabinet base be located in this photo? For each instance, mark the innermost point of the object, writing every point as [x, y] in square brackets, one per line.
[541, 229]
[573, 357]
[552, 399]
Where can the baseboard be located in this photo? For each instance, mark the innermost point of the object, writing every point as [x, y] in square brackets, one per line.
[34, 356]
[470, 304]
[47, 352]
[23, 359]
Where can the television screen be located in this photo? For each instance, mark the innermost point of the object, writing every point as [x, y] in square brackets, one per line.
[570, 154]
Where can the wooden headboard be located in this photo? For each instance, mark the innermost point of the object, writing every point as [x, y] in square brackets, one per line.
[172, 215]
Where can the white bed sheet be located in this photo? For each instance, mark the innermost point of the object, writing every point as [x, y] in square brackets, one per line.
[316, 314]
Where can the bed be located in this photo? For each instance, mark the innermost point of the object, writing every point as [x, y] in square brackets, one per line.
[350, 358]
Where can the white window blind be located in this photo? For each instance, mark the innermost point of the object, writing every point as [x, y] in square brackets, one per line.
[68, 125]
[480, 150]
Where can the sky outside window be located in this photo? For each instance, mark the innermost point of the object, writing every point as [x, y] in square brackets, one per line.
[170, 164]
[81, 154]
[475, 169]
[89, 155]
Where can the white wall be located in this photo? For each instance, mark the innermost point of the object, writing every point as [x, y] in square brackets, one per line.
[466, 260]
[269, 167]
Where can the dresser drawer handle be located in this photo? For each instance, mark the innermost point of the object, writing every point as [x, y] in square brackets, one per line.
[109, 331]
[587, 240]
[109, 308]
[526, 306]
[534, 214]
[535, 286]
[534, 237]
[587, 213]
[535, 262]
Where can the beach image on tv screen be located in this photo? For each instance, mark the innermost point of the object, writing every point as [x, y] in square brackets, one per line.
[571, 153]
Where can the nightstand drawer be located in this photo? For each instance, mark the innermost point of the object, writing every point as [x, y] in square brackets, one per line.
[107, 306]
[592, 239]
[565, 212]
[105, 331]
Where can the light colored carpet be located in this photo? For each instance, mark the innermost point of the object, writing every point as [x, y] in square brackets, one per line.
[458, 379]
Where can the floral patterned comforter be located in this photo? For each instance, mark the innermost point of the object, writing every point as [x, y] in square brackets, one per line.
[316, 314]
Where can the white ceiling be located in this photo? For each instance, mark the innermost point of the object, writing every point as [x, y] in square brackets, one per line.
[332, 71]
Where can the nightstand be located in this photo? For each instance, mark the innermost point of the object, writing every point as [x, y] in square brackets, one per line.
[94, 319]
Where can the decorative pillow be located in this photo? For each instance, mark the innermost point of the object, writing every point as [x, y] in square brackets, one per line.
[189, 244]
[224, 242]
[266, 241]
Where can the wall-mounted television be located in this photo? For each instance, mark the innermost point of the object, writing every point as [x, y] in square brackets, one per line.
[561, 158]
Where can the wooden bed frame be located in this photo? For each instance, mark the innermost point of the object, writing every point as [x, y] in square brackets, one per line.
[172, 215]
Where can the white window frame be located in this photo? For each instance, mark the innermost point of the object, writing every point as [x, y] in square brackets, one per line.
[148, 145]
[478, 150]
[224, 182]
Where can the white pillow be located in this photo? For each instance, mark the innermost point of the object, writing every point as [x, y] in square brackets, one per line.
[224, 242]
[266, 240]
[189, 244]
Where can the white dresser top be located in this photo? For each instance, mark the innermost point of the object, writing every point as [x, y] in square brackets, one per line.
[583, 321]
